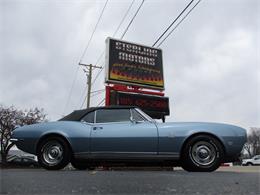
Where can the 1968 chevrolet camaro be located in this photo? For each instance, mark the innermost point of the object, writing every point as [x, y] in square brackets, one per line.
[126, 135]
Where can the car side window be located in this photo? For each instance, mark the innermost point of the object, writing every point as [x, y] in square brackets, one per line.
[137, 116]
[257, 157]
[89, 118]
[112, 115]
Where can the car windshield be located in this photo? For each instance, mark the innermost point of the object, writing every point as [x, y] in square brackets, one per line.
[145, 115]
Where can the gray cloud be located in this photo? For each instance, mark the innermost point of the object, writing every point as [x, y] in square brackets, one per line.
[211, 62]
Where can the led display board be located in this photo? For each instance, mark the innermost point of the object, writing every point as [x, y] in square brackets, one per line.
[134, 64]
[155, 106]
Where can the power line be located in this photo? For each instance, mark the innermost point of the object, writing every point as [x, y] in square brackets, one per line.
[127, 28]
[97, 93]
[115, 32]
[71, 89]
[132, 19]
[124, 17]
[84, 52]
[93, 32]
[178, 23]
[101, 102]
[83, 95]
[87, 46]
[102, 54]
[88, 68]
[101, 68]
[122, 36]
[172, 23]
[99, 72]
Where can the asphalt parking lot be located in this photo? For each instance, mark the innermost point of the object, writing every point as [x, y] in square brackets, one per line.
[226, 180]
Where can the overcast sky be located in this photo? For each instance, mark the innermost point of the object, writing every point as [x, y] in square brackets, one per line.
[211, 61]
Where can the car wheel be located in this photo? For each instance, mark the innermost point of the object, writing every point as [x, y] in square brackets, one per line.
[53, 153]
[202, 153]
[249, 164]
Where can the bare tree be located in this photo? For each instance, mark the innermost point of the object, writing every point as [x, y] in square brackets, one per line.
[10, 117]
[252, 146]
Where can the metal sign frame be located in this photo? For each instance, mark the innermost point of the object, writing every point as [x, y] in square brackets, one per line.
[129, 82]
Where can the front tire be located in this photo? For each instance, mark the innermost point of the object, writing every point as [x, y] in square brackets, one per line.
[202, 153]
[53, 153]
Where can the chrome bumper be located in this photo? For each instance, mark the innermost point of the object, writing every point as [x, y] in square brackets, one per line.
[14, 140]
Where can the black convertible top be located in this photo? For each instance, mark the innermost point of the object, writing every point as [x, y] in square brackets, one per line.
[77, 115]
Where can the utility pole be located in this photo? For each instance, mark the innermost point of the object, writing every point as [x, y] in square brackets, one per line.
[88, 70]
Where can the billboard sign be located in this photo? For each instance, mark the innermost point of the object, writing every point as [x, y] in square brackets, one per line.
[155, 106]
[134, 64]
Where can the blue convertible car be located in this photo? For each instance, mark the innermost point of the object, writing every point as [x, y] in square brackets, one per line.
[126, 135]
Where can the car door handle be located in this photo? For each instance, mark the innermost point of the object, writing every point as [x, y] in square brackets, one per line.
[97, 128]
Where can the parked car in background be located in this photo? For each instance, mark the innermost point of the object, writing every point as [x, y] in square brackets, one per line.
[24, 161]
[125, 134]
[253, 161]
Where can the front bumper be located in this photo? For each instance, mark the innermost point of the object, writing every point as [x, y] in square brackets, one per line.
[14, 140]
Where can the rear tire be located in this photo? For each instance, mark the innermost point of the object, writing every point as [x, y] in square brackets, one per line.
[202, 153]
[53, 153]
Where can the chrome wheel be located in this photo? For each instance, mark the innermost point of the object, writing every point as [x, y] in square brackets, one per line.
[203, 153]
[52, 153]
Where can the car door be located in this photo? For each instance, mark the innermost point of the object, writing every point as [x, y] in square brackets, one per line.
[114, 135]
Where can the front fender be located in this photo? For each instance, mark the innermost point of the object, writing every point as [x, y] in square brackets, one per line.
[172, 136]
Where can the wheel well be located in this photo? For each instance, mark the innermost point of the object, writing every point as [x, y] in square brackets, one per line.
[198, 134]
[52, 135]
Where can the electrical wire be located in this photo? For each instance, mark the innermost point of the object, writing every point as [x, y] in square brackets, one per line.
[97, 91]
[101, 102]
[178, 23]
[132, 19]
[172, 23]
[93, 95]
[71, 89]
[122, 36]
[123, 19]
[87, 46]
[99, 72]
[93, 32]
[82, 104]
[115, 32]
